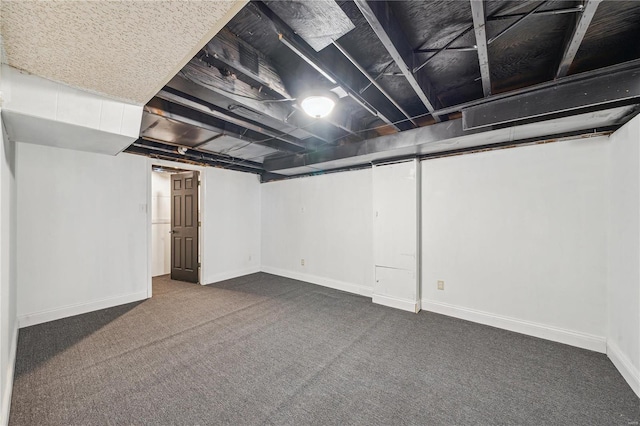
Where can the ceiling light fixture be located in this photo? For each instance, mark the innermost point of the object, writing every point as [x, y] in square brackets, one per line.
[318, 104]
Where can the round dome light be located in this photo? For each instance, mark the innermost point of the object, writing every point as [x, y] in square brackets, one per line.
[318, 106]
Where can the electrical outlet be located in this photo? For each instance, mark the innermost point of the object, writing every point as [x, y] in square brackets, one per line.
[301, 262]
[440, 285]
[250, 257]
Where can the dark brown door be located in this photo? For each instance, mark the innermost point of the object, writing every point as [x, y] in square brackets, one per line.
[184, 227]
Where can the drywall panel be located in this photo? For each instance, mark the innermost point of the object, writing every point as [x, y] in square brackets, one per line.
[42, 112]
[623, 293]
[160, 223]
[231, 224]
[319, 229]
[82, 233]
[519, 238]
[395, 234]
[8, 284]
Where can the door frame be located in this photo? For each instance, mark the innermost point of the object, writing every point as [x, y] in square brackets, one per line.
[202, 233]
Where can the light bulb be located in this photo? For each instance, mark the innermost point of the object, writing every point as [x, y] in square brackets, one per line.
[317, 106]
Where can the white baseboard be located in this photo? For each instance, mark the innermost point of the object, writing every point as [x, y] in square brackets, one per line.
[230, 274]
[78, 308]
[8, 386]
[325, 282]
[624, 366]
[405, 305]
[568, 337]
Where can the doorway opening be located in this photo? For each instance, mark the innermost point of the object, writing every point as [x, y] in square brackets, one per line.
[175, 237]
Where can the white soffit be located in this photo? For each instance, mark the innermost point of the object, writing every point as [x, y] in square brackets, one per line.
[127, 50]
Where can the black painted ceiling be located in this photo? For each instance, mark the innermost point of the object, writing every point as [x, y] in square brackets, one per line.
[234, 105]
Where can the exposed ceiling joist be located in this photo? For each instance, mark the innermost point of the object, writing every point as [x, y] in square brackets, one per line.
[298, 46]
[480, 28]
[598, 92]
[292, 144]
[235, 98]
[607, 98]
[228, 50]
[153, 117]
[373, 81]
[579, 31]
[502, 16]
[380, 17]
[198, 80]
[312, 60]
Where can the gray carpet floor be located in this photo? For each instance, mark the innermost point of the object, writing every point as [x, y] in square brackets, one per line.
[262, 349]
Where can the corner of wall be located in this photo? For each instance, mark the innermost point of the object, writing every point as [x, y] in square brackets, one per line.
[624, 366]
[7, 388]
[623, 251]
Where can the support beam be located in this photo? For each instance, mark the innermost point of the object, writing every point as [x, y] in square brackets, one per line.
[480, 28]
[580, 29]
[379, 16]
[446, 137]
[596, 93]
[613, 69]
[162, 151]
[195, 154]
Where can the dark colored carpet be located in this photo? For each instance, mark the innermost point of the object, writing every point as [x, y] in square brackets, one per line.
[262, 349]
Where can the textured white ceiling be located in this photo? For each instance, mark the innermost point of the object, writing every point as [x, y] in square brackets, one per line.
[124, 49]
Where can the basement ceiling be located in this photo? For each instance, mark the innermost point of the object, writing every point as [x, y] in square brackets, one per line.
[479, 73]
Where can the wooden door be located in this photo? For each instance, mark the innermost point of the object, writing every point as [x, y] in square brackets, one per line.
[184, 227]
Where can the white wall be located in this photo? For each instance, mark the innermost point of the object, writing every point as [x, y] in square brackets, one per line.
[231, 224]
[82, 231]
[326, 220]
[160, 223]
[623, 293]
[8, 285]
[519, 238]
